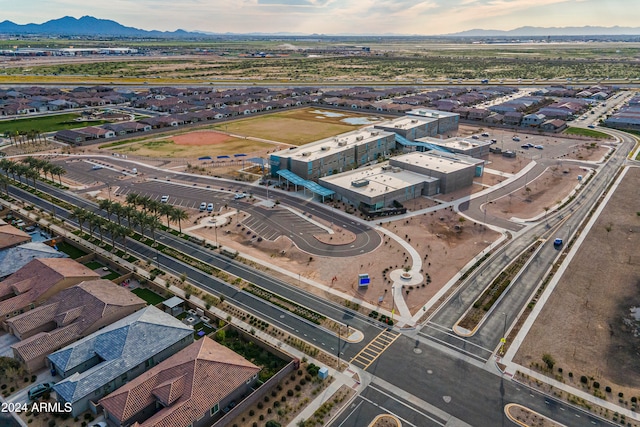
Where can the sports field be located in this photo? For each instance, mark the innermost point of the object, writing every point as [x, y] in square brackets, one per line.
[298, 127]
[194, 145]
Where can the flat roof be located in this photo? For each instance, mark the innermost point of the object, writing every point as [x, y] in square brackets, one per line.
[406, 122]
[382, 178]
[455, 142]
[319, 149]
[433, 161]
[426, 112]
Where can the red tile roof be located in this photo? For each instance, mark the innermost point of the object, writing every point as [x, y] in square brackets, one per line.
[190, 383]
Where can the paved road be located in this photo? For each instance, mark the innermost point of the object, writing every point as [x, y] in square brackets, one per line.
[482, 344]
[292, 323]
[451, 387]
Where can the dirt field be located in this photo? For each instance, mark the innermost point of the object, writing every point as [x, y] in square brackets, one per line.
[295, 127]
[506, 164]
[586, 325]
[195, 144]
[591, 151]
[544, 191]
[444, 248]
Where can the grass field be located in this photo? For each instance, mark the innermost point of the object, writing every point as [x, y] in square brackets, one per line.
[148, 295]
[167, 148]
[46, 124]
[296, 127]
[586, 132]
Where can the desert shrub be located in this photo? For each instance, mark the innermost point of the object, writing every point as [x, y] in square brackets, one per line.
[607, 389]
[584, 379]
[596, 384]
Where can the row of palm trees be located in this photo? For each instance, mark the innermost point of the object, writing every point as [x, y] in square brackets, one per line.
[31, 168]
[25, 137]
[128, 217]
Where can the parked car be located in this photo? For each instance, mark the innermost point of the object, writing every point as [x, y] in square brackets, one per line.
[485, 134]
[210, 207]
[38, 390]
[516, 139]
[96, 167]
[539, 147]
[475, 137]
[525, 146]
[164, 199]
[203, 206]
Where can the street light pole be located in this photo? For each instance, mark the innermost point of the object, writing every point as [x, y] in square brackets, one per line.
[503, 340]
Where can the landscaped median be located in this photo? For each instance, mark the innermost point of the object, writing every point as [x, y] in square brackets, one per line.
[475, 315]
[526, 417]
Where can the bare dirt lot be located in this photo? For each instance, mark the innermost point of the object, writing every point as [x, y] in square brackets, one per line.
[588, 151]
[506, 164]
[545, 191]
[586, 325]
[444, 248]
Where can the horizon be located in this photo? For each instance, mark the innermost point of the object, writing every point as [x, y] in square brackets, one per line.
[334, 17]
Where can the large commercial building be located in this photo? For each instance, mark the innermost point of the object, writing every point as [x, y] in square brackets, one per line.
[466, 146]
[411, 127]
[333, 155]
[404, 178]
[445, 121]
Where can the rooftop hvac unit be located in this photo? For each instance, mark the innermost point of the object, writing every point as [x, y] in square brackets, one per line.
[397, 126]
[386, 167]
[306, 154]
[374, 133]
[359, 138]
[396, 169]
[325, 148]
[414, 121]
[360, 183]
[342, 143]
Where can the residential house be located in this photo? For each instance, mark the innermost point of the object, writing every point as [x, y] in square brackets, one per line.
[13, 259]
[555, 125]
[11, 236]
[188, 389]
[100, 363]
[533, 120]
[71, 314]
[127, 127]
[72, 136]
[38, 281]
[98, 132]
[512, 118]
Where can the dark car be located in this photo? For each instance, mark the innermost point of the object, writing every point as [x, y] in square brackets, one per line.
[38, 390]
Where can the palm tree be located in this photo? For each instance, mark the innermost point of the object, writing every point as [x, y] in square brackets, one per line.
[114, 231]
[59, 170]
[179, 215]
[141, 220]
[118, 210]
[153, 224]
[100, 223]
[79, 215]
[133, 199]
[48, 168]
[166, 210]
[124, 233]
[107, 206]
[129, 211]
[5, 165]
[4, 181]
[20, 170]
[92, 220]
[33, 174]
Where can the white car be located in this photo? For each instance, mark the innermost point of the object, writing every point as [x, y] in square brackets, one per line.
[203, 206]
[239, 196]
[539, 147]
[210, 207]
[164, 199]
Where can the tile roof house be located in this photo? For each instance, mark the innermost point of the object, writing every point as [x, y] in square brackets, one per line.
[105, 360]
[187, 389]
[38, 281]
[67, 316]
[13, 259]
[11, 236]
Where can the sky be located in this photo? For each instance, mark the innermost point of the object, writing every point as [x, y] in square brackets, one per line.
[422, 17]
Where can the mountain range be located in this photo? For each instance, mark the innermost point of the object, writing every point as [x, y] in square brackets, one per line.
[86, 26]
[90, 26]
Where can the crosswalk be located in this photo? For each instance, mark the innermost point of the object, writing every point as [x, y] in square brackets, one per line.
[375, 348]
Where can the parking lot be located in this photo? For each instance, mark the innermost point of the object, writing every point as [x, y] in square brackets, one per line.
[86, 172]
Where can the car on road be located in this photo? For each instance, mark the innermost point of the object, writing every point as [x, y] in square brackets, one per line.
[558, 242]
[210, 207]
[164, 199]
[203, 206]
[239, 196]
[591, 127]
[38, 390]
[539, 147]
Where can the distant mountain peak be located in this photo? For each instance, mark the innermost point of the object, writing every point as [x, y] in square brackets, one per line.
[587, 30]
